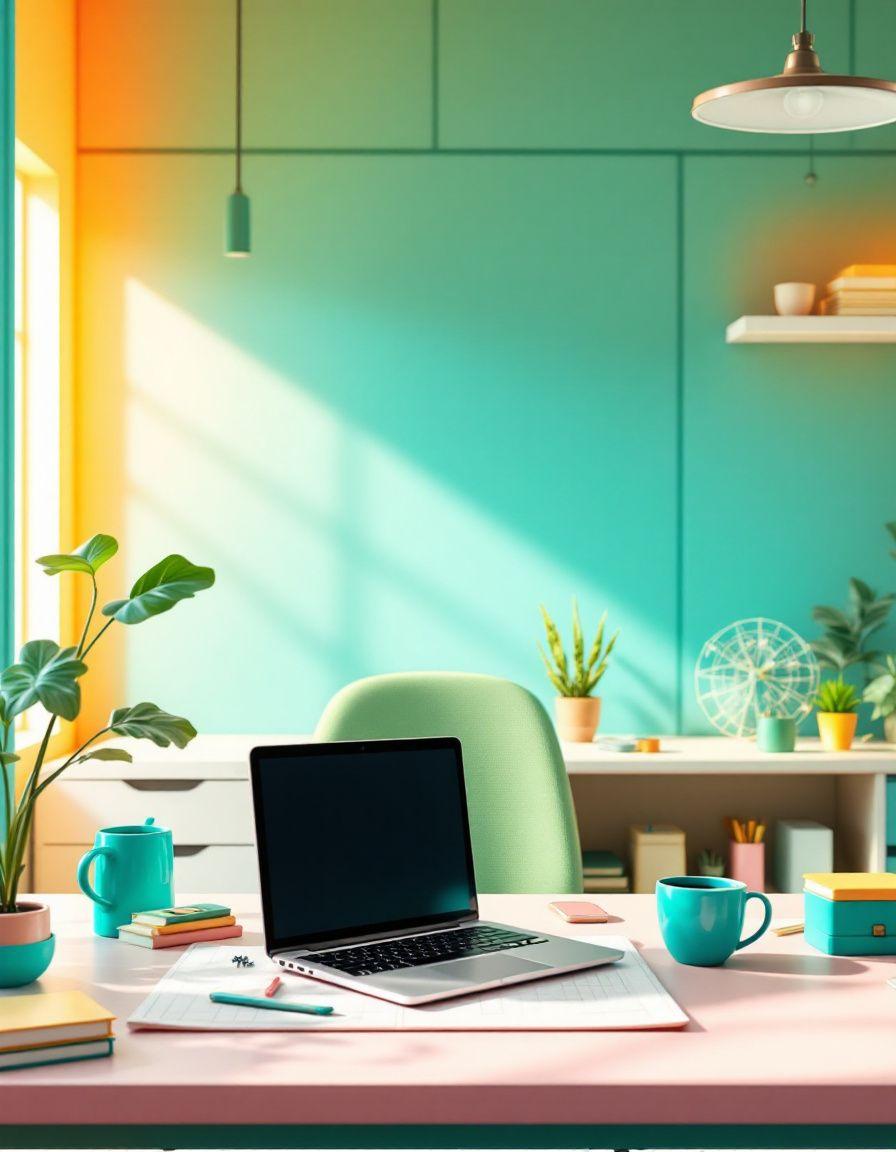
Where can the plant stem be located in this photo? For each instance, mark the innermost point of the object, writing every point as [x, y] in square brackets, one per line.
[84, 631]
[108, 624]
[49, 780]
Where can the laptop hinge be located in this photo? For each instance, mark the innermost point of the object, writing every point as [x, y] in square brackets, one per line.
[367, 937]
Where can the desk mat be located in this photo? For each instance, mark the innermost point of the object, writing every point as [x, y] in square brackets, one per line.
[621, 996]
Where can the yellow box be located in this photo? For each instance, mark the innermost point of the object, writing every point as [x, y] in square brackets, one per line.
[657, 851]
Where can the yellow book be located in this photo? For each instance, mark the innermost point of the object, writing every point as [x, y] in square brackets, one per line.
[852, 885]
[190, 926]
[51, 1018]
[854, 270]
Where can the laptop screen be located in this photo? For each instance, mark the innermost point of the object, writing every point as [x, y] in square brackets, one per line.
[360, 838]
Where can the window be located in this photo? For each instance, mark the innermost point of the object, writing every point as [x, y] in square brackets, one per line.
[37, 403]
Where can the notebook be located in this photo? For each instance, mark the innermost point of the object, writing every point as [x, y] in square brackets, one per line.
[189, 935]
[51, 1018]
[625, 995]
[183, 915]
[55, 1054]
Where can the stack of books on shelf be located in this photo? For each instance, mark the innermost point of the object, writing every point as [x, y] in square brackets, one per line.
[175, 927]
[862, 290]
[53, 1028]
[603, 872]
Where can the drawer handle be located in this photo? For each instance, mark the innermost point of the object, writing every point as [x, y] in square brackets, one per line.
[162, 785]
[189, 849]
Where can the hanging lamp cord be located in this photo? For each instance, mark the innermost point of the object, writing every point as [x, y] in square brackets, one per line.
[803, 22]
[239, 95]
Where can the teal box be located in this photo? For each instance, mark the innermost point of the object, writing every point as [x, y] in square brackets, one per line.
[850, 927]
[891, 862]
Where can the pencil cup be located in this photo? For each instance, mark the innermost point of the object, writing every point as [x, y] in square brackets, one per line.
[746, 862]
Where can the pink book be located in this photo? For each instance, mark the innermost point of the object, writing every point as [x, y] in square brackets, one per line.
[179, 939]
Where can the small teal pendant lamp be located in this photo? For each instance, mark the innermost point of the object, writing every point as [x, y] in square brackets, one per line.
[237, 232]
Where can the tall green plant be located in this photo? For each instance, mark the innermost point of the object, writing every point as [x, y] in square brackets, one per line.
[846, 637]
[48, 675]
[585, 674]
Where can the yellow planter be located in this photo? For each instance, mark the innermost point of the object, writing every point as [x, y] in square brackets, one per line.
[837, 730]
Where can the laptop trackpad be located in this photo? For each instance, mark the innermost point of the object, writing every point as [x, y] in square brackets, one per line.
[482, 969]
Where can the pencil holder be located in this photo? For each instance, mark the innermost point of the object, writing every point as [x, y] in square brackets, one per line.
[746, 862]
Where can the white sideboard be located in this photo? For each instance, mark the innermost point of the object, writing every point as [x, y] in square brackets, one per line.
[202, 794]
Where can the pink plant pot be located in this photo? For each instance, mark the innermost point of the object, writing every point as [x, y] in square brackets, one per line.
[746, 862]
[29, 924]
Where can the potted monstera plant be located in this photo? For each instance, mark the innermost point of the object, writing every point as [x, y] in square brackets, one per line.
[49, 675]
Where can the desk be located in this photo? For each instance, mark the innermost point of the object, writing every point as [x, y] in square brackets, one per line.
[201, 793]
[787, 1048]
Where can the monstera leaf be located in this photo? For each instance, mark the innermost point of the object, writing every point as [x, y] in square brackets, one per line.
[149, 722]
[106, 754]
[89, 558]
[158, 590]
[45, 674]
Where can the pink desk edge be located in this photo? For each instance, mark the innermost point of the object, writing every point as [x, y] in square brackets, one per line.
[781, 1035]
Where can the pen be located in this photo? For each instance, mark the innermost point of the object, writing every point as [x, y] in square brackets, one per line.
[276, 1005]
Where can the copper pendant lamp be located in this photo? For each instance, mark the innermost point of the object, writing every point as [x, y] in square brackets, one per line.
[802, 98]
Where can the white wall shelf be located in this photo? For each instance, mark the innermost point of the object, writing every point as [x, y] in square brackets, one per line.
[812, 330]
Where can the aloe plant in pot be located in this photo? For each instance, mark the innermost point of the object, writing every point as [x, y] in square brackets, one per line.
[578, 712]
[48, 675]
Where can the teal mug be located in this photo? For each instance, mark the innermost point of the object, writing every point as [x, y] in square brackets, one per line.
[134, 872]
[702, 917]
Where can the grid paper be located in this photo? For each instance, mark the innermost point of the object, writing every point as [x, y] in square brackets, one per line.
[624, 995]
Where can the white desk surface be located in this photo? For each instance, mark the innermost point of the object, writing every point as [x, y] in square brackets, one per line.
[780, 1035]
[226, 758]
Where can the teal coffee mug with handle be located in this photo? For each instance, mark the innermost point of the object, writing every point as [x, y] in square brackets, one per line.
[702, 917]
[134, 872]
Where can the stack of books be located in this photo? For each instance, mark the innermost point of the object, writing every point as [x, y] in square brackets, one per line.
[175, 927]
[603, 872]
[862, 290]
[53, 1028]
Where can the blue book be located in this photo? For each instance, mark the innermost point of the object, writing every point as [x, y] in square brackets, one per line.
[55, 1054]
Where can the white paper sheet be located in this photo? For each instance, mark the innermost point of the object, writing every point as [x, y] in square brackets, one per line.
[624, 995]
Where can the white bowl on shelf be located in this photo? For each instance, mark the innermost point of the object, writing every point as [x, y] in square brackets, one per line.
[794, 299]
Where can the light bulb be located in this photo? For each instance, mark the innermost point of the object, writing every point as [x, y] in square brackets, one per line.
[803, 103]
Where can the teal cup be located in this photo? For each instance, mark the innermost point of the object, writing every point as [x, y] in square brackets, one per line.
[776, 734]
[134, 872]
[702, 917]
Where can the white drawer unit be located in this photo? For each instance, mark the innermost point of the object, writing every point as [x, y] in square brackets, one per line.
[201, 793]
[208, 868]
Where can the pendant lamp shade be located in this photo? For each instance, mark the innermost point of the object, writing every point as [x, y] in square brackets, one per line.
[238, 237]
[803, 98]
[236, 221]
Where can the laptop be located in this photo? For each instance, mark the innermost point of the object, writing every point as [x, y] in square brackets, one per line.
[367, 880]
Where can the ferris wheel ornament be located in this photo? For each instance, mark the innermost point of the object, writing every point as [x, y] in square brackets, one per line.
[755, 668]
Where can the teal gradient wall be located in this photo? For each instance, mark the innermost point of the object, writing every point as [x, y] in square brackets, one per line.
[477, 358]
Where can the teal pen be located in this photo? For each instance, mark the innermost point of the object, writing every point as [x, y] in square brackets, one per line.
[276, 1005]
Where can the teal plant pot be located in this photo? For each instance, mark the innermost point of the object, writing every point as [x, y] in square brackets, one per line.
[24, 963]
[776, 734]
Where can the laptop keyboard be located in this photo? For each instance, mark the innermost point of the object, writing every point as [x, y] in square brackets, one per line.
[411, 952]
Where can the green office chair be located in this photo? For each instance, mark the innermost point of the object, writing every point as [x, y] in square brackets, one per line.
[522, 821]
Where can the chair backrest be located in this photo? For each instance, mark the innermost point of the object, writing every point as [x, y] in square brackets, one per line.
[522, 821]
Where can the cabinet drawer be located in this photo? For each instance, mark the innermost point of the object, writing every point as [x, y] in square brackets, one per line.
[196, 811]
[215, 868]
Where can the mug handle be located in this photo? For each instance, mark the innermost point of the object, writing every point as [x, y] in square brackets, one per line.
[83, 879]
[765, 923]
